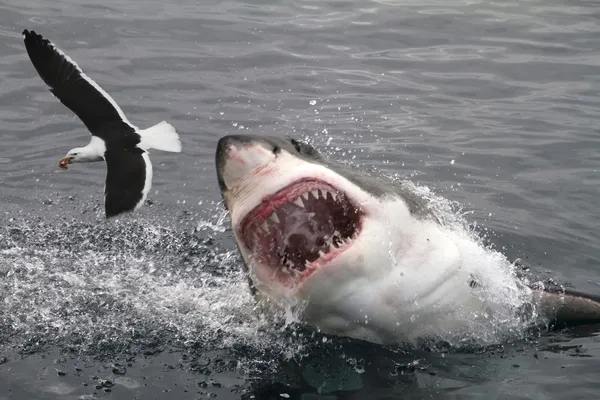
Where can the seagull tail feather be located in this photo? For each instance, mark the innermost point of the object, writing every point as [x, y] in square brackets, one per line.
[161, 136]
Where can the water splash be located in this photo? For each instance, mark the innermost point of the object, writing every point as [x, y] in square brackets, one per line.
[124, 286]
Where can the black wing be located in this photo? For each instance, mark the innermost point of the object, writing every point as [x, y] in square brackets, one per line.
[126, 186]
[96, 109]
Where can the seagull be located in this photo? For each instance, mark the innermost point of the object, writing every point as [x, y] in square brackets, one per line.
[115, 140]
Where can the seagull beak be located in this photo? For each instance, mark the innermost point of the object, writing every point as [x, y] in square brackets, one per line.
[63, 162]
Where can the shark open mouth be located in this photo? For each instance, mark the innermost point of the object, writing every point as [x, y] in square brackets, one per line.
[301, 227]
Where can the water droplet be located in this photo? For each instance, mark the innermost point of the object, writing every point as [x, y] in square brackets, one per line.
[313, 102]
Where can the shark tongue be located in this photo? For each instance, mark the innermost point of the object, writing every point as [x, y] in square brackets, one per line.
[303, 228]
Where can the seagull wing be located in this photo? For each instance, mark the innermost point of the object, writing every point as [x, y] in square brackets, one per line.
[96, 108]
[128, 180]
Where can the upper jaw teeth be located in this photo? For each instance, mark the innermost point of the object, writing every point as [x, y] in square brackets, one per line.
[317, 194]
[300, 202]
[265, 225]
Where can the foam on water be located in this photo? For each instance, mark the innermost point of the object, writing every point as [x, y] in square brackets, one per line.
[129, 285]
[510, 311]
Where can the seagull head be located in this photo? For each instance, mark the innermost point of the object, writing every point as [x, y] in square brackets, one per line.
[79, 154]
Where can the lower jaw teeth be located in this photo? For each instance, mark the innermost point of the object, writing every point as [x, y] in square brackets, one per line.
[288, 260]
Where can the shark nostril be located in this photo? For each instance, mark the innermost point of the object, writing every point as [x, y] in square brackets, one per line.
[233, 153]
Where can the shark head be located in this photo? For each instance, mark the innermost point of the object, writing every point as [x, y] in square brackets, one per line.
[297, 216]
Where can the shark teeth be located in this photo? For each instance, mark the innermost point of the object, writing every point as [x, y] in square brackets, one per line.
[317, 194]
[331, 246]
[264, 226]
[273, 217]
[298, 202]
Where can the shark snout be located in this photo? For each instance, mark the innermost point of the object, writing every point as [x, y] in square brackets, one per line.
[239, 156]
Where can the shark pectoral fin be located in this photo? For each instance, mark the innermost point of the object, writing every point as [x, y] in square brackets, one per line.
[570, 307]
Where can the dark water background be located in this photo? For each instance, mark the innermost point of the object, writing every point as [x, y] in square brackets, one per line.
[492, 104]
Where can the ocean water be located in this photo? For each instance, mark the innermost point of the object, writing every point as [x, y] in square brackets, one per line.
[493, 105]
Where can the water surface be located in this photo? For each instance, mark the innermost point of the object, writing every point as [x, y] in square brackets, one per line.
[491, 104]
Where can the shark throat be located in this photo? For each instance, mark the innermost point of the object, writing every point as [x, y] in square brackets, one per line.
[301, 226]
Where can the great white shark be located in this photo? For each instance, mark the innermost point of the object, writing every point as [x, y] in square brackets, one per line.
[360, 256]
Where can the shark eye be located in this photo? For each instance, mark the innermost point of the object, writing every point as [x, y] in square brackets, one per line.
[296, 145]
[304, 149]
[276, 149]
